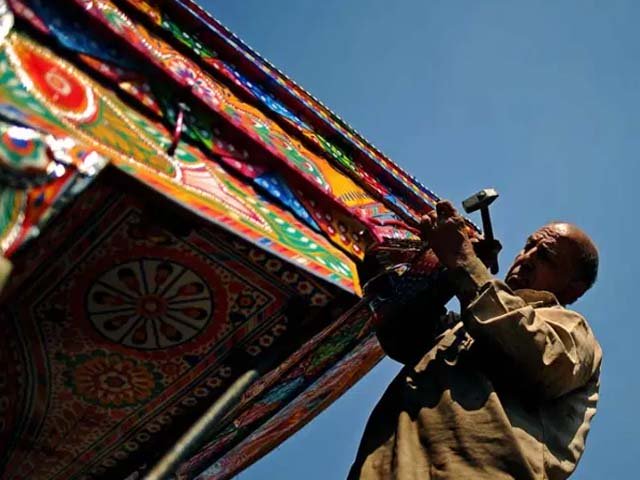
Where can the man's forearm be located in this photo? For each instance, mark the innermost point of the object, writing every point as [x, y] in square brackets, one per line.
[468, 277]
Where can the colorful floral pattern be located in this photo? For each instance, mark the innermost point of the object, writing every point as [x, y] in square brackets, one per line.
[368, 156]
[138, 146]
[133, 312]
[37, 173]
[249, 119]
[149, 304]
[108, 398]
[112, 381]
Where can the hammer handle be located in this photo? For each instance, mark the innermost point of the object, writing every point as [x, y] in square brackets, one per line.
[488, 235]
[486, 223]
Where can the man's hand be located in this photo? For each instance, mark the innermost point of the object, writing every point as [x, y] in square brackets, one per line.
[486, 250]
[446, 232]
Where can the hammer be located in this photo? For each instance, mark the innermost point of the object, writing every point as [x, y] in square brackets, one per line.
[481, 201]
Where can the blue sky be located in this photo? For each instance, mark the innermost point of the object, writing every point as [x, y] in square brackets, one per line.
[537, 99]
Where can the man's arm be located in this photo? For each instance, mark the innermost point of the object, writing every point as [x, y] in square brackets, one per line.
[552, 349]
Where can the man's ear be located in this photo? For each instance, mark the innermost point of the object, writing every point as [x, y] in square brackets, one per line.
[573, 291]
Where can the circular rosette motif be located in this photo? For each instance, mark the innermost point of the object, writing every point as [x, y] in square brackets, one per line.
[149, 304]
[110, 380]
[63, 92]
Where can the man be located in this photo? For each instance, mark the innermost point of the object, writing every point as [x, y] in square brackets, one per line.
[508, 389]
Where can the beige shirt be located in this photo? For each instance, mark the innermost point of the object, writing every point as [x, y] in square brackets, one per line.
[508, 392]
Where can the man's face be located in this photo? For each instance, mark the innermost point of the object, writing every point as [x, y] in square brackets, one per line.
[547, 262]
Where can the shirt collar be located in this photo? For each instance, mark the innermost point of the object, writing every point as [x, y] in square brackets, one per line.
[538, 298]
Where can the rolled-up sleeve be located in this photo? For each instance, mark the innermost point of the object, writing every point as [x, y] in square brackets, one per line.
[552, 348]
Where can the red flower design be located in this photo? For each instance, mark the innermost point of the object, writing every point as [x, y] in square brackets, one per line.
[113, 381]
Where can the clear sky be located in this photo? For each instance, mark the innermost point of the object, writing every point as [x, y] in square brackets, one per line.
[540, 100]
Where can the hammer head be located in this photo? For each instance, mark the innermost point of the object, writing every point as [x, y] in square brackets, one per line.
[482, 199]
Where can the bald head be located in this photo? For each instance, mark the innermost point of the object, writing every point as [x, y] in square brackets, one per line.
[586, 251]
[559, 258]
